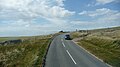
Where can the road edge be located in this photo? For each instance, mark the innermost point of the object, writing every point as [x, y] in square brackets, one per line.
[92, 54]
[45, 56]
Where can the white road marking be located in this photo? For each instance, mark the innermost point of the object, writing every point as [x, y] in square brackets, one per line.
[63, 44]
[90, 53]
[71, 57]
[61, 39]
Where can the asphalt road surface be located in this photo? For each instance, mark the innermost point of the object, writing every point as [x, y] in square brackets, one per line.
[65, 53]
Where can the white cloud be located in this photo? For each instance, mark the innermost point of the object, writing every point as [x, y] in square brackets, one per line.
[19, 15]
[99, 12]
[104, 1]
[60, 2]
[83, 13]
[93, 24]
[110, 17]
[36, 7]
[99, 18]
[30, 9]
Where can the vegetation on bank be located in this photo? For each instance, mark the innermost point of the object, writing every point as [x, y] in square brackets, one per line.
[104, 43]
[29, 53]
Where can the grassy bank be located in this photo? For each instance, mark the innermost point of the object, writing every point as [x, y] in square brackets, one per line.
[29, 53]
[106, 49]
[104, 43]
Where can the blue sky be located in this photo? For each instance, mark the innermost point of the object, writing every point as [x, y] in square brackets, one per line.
[38, 17]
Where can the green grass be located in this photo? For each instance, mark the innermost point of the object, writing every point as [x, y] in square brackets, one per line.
[23, 37]
[29, 53]
[7, 38]
[77, 34]
[104, 43]
[104, 48]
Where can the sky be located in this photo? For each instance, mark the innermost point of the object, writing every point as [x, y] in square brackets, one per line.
[41, 17]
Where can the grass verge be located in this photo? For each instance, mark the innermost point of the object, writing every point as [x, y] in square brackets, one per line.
[29, 53]
[103, 47]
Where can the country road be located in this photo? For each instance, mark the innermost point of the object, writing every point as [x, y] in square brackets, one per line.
[65, 53]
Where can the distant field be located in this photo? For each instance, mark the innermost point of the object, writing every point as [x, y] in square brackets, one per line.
[29, 53]
[7, 38]
[12, 38]
[22, 37]
[104, 43]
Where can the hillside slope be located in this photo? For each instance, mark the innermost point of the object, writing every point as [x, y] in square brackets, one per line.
[104, 43]
[29, 53]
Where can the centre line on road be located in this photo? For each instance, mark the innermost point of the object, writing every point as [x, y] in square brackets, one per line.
[71, 57]
[63, 44]
[61, 39]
